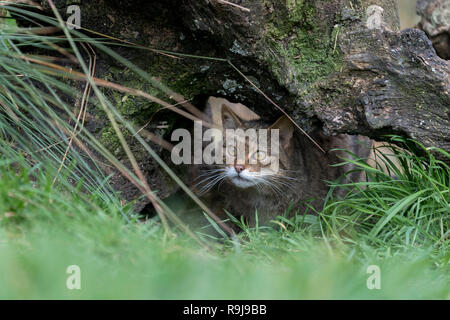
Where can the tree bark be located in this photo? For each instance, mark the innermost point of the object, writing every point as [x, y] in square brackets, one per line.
[366, 78]
[435, 21]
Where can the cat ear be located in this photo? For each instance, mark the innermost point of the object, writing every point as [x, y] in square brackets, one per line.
[229, 119]
[212, 110]
[286, 131]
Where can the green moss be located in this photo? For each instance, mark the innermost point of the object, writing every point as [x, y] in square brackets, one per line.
[127, 104]
[109, 139]
[298, 51]
[298, 13]
[181, 77]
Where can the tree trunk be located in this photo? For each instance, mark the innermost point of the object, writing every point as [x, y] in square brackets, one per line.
[339, 65]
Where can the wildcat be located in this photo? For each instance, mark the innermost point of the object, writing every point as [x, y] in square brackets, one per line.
[253, 186]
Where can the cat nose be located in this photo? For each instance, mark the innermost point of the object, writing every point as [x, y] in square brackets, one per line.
[238, 168]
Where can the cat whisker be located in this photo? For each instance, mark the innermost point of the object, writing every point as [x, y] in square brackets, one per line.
[206, 180]
[220, 183]
[277, 183]
[212, 176]
[277, 191]
[286, 184]
[212, 170]
[210, 184]
[210, 173]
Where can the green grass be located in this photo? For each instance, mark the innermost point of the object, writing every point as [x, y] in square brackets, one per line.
[400, 225]
[44, 230]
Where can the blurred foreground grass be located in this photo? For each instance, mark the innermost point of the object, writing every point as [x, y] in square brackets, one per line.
[44, 230]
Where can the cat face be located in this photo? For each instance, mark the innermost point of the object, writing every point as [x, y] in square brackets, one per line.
[253, 164]
[250, 154]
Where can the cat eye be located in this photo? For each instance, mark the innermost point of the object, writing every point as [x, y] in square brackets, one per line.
[259, 155]
[232, 151]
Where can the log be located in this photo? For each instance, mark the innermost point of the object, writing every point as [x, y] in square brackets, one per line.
[435, 21]
[345, 63]
[340, 66]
